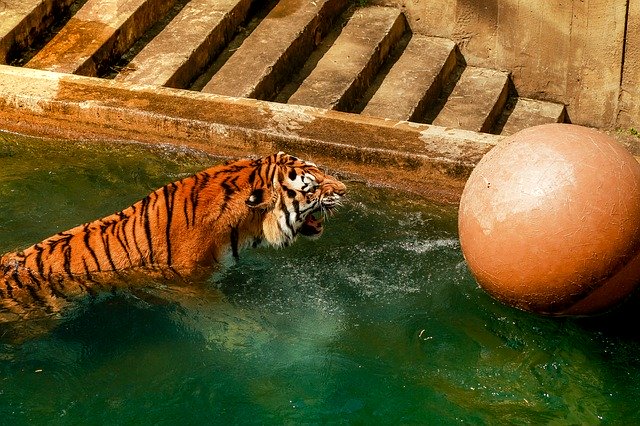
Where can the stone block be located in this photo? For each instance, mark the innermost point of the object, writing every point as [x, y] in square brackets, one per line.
[476, 100]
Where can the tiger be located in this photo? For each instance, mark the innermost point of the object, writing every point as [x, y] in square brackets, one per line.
[182, 230]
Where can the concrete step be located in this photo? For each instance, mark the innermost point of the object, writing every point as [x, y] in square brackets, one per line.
[415, 80]
[531, 112]
[187, 44]
[21, 21]
[323, 53]
[276, 48]
[347, 68]
[476, 101]
[100, 31]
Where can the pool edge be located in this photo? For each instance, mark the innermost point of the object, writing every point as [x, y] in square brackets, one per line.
[429, 160]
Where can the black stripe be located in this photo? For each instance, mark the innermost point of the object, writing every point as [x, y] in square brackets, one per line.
[185, 211]
[234, 242]
[16, 279]
[286, 212]
[119, 232]
[86, 268]
[296, 208]
[62, 238]
[260, 174]
[54, 291]
[135, 242]
[252, 176]
[169, 192]
[147, 226]
[193, 196]
[9, 288]
[32, 291]
[153, 195]
[196, 191]
[104, 237]
[229, 187]
[88, 277]
[39, 262]
[33, 278]
[273, 169]
[66, 250]
[87, 235]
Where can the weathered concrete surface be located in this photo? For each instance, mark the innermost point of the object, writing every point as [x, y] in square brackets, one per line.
[23, 20]
[285, 55]
[345, 71]
[415, 80]
[569, 52]
[584, 65]
[629, 105]
[573, 52]
[530, 112]
[429, 160]
[99, 31]
[186, 45]
[278, 46]
[476, 100]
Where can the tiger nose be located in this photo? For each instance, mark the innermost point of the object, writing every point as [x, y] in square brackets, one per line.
[333, 186]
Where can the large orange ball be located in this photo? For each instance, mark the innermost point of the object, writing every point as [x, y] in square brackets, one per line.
[549, 221]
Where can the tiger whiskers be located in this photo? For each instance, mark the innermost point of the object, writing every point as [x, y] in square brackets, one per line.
[180, 232]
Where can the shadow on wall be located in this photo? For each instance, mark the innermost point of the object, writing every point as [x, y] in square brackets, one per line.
[569, 53]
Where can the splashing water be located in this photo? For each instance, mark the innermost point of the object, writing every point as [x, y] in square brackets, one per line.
[378, 321]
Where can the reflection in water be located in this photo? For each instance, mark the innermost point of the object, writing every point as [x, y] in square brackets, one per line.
[378, 321]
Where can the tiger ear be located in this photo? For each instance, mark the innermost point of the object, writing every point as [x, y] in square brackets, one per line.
[259, 197]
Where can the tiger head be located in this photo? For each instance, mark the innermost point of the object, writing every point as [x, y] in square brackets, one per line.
[292, 193]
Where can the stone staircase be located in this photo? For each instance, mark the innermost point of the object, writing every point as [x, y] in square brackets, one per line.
[323, 53]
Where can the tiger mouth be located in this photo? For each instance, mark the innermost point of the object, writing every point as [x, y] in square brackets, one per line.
[311, 226]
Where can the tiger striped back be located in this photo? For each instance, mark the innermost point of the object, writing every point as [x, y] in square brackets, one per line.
[180, 230]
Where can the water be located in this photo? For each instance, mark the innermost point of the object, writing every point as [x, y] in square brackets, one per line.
[378, 322]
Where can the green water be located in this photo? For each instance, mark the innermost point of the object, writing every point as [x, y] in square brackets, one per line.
[378, 322]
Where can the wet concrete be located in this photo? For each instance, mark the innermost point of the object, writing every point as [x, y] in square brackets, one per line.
[429, 160]
[327, 55]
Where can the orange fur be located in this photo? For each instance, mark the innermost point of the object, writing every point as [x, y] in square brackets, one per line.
[179, 230]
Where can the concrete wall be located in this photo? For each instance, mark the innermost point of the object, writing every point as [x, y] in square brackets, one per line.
[569, 51]
[629, 106]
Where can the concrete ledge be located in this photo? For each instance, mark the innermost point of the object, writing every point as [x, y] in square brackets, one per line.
[429, 160]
